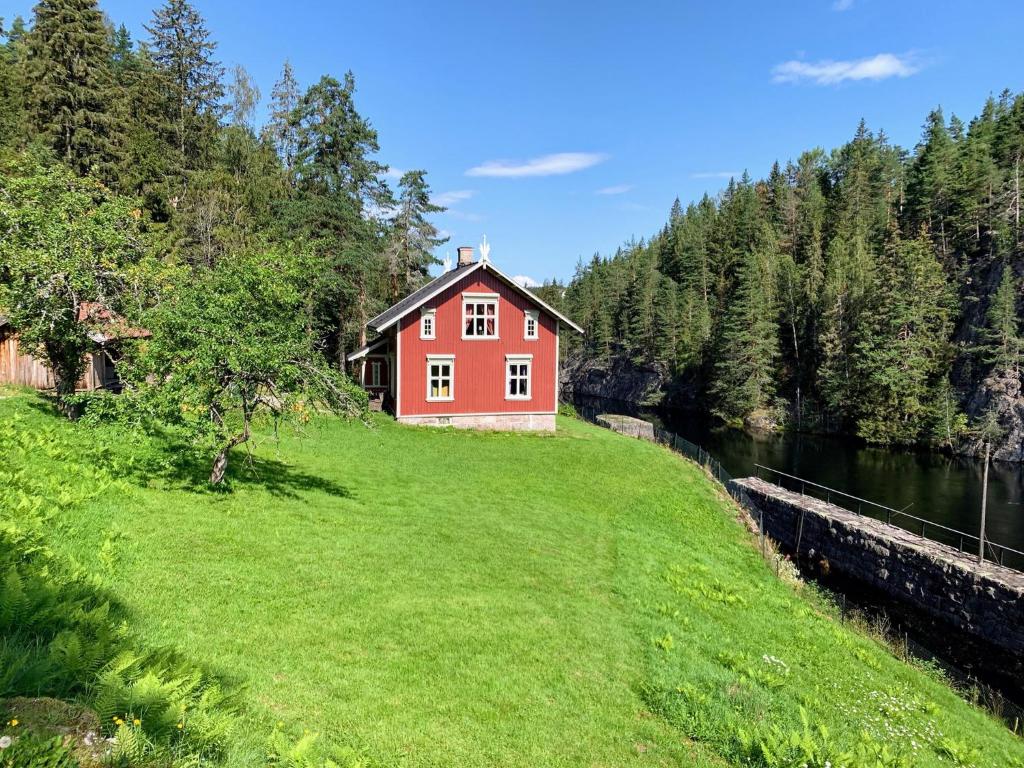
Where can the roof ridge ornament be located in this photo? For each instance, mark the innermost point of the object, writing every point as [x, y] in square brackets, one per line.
[485, 250]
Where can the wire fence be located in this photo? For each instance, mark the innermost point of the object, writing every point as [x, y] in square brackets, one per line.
[981, 693]
[967, 543]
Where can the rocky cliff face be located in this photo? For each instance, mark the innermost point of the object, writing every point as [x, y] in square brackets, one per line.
[1003, 394]
[617, 379]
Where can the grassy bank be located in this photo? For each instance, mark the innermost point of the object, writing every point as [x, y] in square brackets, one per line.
[439, 598]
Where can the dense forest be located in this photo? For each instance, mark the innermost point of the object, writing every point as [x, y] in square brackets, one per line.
[135, 183]
[161, 123]
[870, 290]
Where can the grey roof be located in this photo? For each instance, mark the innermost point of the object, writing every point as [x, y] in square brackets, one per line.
[417, 297]
[393, 314]
[3, 320]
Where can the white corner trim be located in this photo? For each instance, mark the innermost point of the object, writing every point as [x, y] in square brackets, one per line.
[398, 371]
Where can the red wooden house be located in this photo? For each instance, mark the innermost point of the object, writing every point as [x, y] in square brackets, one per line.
[472, 348]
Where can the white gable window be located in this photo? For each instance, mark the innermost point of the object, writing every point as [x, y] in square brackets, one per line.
[479, 315]
[428, 323]
[518, 378]
[530, 322]
[440, 378]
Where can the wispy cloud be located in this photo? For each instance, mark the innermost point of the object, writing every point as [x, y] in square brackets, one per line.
[715, 174]
[394, 173]
[463, 215]
[447, 199]
[842, 5]
[547, 165]
[525, 280]
[829, 72]
[615, 189]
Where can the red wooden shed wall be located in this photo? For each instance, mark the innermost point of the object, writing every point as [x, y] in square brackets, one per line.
[479, 364]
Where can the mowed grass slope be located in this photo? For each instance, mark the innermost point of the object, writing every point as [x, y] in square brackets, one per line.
[434, 597]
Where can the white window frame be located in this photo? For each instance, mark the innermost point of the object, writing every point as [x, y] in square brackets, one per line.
[428, 317]
[534, 316]
[474, 299]
[448, 360]
[526, 360]
[375, 370]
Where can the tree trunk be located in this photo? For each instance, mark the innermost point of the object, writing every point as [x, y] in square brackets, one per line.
[220, 464]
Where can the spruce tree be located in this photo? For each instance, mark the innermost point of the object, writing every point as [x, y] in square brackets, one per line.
[12, 84]
[412, 238]
[183, 53]
[930, 190]
[1001, 342]
[69, 84]
[282, 128]
[745, 371]
[902, 343]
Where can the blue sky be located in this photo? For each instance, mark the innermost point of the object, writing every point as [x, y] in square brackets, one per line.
[561, 129]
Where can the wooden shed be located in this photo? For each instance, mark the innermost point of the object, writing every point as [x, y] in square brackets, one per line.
[20, 368]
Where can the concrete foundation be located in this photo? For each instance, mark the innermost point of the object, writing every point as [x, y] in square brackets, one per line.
[982, 599]
[498, 421]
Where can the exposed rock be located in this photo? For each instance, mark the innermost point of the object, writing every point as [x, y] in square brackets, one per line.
[618, 379]
[1003, 393]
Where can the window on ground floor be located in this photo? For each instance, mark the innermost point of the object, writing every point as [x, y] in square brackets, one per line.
[518, 369]
[440, 378]
[375, 367]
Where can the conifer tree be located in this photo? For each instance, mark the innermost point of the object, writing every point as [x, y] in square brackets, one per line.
[339, 201]
[748, 350]
[902, 343]
[69, 83]
[282, 128]
[183, 53]
[12, 84]
[412, 238]
[931, 181]
[1001, 342]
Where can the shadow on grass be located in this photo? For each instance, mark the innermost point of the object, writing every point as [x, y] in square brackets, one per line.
[144, 457]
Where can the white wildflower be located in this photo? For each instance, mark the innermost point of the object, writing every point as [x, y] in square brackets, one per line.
[5, 742]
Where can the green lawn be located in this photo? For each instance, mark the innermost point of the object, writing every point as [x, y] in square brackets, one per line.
[443, 598]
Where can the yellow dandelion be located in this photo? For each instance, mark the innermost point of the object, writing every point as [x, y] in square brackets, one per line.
[136, 722]
[14, 722]
[180, 726]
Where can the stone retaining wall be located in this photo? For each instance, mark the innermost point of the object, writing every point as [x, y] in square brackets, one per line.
[627, 425]
[985, 600]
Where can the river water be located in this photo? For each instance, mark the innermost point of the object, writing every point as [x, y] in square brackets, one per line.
[940, 488]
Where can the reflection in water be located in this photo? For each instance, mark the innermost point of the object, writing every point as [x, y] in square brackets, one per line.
[944, 489]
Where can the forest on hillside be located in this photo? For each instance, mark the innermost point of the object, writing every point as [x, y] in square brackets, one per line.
[871, 289]
[234, 263]
[163, 125]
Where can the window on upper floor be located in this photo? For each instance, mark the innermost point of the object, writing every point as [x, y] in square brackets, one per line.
[440, 378]
[518, 370]
[479, 315]
[530, 323]
[428, 323]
